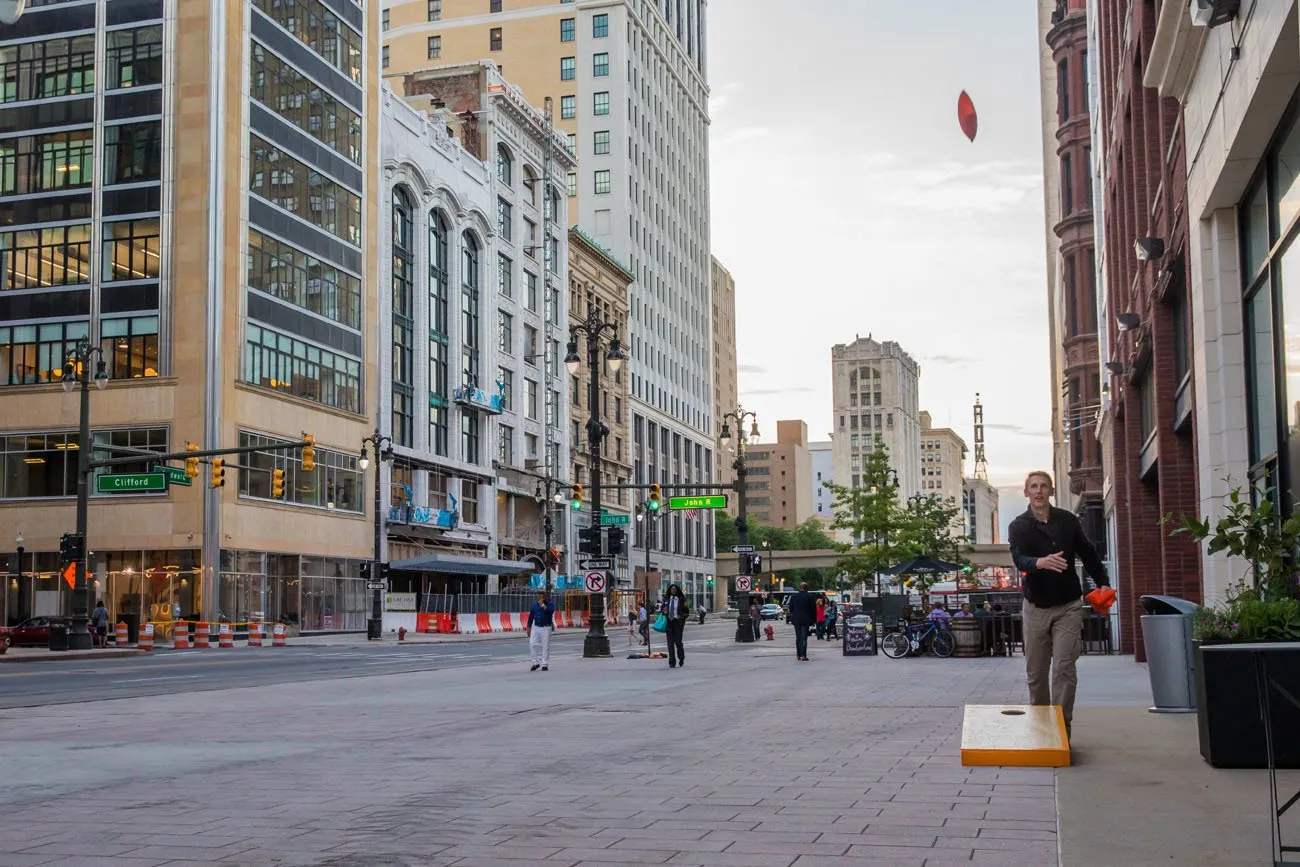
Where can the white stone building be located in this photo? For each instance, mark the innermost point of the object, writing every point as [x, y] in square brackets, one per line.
[874, 394]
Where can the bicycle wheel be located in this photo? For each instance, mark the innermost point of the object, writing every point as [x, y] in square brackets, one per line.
[895, 645]
[942, 644]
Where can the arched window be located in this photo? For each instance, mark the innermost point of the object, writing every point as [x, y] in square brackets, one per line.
[469, 318]
[439, 235]
[403, 319]
[505, 165]
[530, 185]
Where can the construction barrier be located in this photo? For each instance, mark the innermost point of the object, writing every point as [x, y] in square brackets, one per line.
[145, 641]
[202, 632]
[277, 635]
[122, 635]
[225, 636]
[254, 635]
[426, 622]
[181, 635]
[467, 624]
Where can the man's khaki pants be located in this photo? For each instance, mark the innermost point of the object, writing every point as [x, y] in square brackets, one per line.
[1053, 639]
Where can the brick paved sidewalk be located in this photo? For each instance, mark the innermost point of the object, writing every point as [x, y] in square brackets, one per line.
[744, 758]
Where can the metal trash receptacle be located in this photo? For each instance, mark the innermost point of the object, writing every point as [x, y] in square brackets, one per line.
[1171, 659]
[58, 636]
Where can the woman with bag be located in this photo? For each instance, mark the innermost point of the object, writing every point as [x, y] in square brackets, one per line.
[674, 611]
[821, 618]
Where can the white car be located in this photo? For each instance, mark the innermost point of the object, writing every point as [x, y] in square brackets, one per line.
[771, 611]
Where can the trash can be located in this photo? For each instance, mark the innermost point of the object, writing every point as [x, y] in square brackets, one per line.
[58, 635]
[1171, 660]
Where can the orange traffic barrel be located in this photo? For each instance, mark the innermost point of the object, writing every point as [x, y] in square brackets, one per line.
[145, 641]
[181, 636]
[201, 634]
[122, 635]
[254, 635]
[277, 635]
[225, 637]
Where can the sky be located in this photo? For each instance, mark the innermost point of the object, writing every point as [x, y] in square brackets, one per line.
[846, 201]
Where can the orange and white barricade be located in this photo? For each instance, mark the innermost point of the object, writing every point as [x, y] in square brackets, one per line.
[277, 635]
[225, 636]
[254, 635]
[467, 624]
[145, 641]
[121, 636]
[181, 635]
[202, 632]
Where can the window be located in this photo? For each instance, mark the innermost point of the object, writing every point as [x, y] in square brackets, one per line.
[1147, 414]
[383, 20]
[600, 103]
[506, 382]
[601, 143]
[130, 346]
[301, 279]
[568, 68]
[133, 58]
[602, 181]
[469, 440]
[600, 25]
[39, 465]
[46, 163]
[600, 65]
[1067, 186]
[435, 10]
[530, 399]
[1181, 339]
[383, 57]
[551, 257]
[553, 305]
[132, 152]
[505, 165]
[434, 47]
[131, 249]
[494, 6]
[147, 439]
[1063, 91]
[571, 143]
[567, 32]
[469, 496]
[320, 30]
[530, 445]
[33, 258]
[571, 184]
[494, 39]
[337, 482]
[31, 354]
[403, 302]
[505, 218]
[303, 191]
[505, 332]
[568, 107]
[530, 291]
[288, 364]
[505, 276]
[41, 70]
[469, 272]
[530, 344]
[505, 444]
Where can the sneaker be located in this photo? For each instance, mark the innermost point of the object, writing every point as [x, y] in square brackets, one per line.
[546, 668]
[534, 668]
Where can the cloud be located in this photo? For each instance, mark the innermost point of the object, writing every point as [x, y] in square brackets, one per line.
[721, 95]
[1019, 429]
[742, 134]
[947, 359]
[751, 368]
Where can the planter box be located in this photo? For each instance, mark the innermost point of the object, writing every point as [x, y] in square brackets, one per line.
[1227, 704]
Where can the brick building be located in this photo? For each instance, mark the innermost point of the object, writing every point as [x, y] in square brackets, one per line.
[1148, 420]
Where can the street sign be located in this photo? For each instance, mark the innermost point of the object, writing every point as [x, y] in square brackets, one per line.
[712, 501]
[596, 563]
[175, 475]
[374, 585]
[608, 520]
[742, 549]
[742, 583]
[131, 483]
[594, 582]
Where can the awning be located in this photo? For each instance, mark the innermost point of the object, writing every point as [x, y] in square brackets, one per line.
[453, 565]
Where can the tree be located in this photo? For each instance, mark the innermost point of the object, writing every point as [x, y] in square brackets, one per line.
[872, 515]
[930, 529]
[808, 536]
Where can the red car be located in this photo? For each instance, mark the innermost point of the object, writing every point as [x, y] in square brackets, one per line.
[33, 632]
[4, 639]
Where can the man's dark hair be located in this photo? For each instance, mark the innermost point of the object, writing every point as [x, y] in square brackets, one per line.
[803, 585]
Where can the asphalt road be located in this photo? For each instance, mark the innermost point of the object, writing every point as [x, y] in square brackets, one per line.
[182, 671]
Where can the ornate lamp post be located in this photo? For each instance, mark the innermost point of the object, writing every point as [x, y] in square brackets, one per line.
[596, 643]
[547, 494]
[744, 625]
[76, 370]
[382, 447]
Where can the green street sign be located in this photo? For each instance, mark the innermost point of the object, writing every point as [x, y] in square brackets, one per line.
[131, 483]
[608, 520]
[713, 501]
[175, 475]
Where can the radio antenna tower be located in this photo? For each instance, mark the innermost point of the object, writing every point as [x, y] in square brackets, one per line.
[981, 462]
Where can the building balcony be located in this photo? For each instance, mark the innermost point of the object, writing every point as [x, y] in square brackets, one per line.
[477, 399]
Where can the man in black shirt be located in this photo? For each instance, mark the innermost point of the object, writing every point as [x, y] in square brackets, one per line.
[1044, 542]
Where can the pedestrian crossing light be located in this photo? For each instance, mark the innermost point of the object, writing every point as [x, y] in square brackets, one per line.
[191, 464]
[309, 453]
[654, 502]
[218, 472]
[277, 484]
[575, 498]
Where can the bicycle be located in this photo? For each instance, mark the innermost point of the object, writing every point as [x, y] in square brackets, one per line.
[912, 638]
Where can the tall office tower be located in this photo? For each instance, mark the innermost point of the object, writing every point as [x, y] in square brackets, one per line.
[875, 394]
[629, 80]
[726, 389]
[183, 189]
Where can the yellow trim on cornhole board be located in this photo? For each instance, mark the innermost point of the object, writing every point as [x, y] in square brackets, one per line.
[1014, 735]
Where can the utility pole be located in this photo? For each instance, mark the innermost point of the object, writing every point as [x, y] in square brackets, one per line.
[744, 623]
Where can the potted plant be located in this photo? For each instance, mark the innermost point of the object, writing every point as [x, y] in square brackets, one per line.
[1264, 610]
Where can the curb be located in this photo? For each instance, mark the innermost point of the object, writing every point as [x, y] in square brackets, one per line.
[65, 656]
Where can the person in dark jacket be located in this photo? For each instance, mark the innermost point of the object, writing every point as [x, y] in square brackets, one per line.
[676, 609]
[1045, 542]
[803, 614]
[541, 623]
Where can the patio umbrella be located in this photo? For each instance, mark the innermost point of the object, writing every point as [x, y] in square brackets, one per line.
[922, 566]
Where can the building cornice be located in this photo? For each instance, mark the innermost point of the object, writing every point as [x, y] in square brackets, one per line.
[1175, 49]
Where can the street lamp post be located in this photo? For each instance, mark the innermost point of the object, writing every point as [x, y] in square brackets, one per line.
[19, 542]
[77, 370]
[382, 447]
[744, 624]
[546, 494]
[592, 328]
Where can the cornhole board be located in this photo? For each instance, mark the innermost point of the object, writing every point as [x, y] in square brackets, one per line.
[1014, 735]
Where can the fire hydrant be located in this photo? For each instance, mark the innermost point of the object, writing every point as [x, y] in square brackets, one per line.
[401, 633]
[771, 633]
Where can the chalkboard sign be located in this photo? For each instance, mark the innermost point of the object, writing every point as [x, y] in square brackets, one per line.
[859, 637]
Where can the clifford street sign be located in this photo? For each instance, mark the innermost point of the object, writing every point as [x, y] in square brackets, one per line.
[175, 475]
[713, 501]
[131, 483]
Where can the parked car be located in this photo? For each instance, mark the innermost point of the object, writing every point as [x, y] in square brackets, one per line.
[34, 631]
[770, 611]
[4, 639]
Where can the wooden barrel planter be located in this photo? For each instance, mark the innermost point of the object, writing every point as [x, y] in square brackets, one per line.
[967, 637]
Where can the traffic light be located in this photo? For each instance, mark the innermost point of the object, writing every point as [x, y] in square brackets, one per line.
[277, 484]
[191, 464]
[309, 453]
[383, 572]
[589, 541]
[218, 472]
[654, 503]
[69, 548]
[365, 571]
[575, 498]
[757, 561]
[709, 581]
[615, 540]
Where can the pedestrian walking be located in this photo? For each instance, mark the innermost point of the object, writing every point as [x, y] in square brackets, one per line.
[704, 610]
[832, 616]
[676, 609]
[1045, 542]
[541, 623]
[643, 617]
[99, 617]
[803, 614]
[755, 616]
[820, 622]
